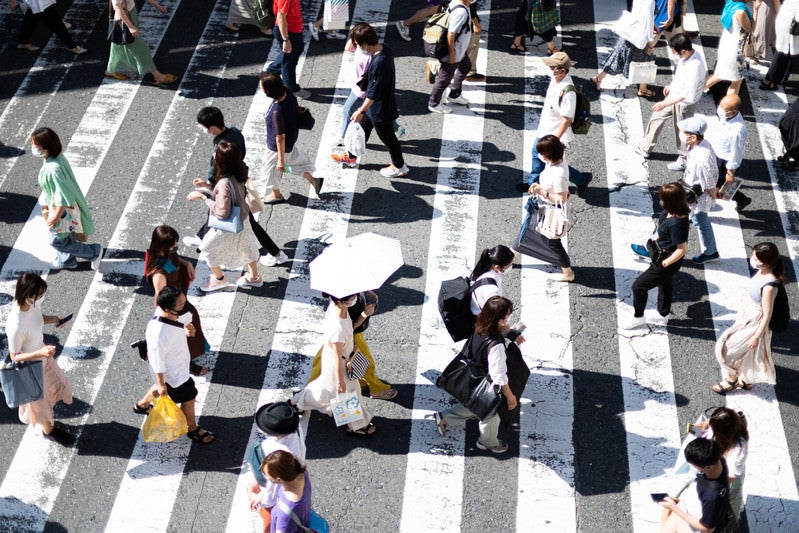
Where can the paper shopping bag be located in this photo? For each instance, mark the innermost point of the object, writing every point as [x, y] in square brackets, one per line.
[346, 408]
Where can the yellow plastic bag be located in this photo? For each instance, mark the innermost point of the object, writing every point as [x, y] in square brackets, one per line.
[165, 423]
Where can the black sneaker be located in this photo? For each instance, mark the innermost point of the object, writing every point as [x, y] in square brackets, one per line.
[60, 436]
[742, 204]
[706, 258]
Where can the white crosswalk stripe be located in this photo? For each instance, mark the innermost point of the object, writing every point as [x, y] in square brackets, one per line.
[435, 481]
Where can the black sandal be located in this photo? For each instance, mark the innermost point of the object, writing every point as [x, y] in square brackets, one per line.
[741, 384]
[363, 433]
[139, 410]
[517, 48]
[199, 437]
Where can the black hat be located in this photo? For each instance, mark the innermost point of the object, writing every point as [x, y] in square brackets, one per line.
[278, 418]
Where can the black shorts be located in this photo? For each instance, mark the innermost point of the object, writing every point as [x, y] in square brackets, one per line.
[184, 393]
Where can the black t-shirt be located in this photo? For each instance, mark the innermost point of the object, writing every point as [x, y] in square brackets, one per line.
[233, 136]
[714, 497]
[282, 119]
[382, 81]
[355, 313]
[672, 231]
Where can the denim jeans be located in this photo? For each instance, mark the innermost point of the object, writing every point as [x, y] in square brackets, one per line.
[286, 64]
[575, 176]
[68, 249]
[352, 102]
[530, 213]
[706, 238]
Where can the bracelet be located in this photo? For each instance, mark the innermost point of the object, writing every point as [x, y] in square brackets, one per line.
[363, 314]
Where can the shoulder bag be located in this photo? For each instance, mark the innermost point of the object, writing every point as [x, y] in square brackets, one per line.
[118, 31]
[233, 223]
[468, 381]
[305, 120]
[253, 199]
[22, 381]
[316, 524]
[552, 221]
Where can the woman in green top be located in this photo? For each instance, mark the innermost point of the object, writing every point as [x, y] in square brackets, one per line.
[66, 212]
[126, 59]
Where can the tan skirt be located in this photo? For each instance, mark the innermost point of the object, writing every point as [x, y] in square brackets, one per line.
[56, 389]
[752, 365]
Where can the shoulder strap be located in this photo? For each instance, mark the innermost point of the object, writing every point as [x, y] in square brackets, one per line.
[168, 322]
[568, 89]
[481, 282]
[293, 515]
[232, 188]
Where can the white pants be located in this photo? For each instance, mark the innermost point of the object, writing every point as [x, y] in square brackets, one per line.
[296, 160]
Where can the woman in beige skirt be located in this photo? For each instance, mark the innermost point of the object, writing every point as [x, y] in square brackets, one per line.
[26, 343]
[744, 350]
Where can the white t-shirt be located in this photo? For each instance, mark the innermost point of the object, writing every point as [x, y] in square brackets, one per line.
[556, 108]
[129, 5]
[482, 293]
[168, 350]
[555, 178]
[37, 6]
[24, 329]
[459, 18]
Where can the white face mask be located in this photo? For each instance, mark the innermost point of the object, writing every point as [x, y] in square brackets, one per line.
[754, 264]
[36, 151]
[33, 301]
[351, 302]
[541, 158]
[721, 114]
[185, 318]
[683, 138]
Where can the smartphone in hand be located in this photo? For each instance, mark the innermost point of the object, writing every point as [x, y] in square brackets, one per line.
[658, 497]
[64, 320]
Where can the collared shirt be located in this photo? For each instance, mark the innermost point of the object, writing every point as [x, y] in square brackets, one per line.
[689, 79]
[168, 350]
[497, 365]
[701, 168]
[482, 293]
[728, 139]
[556, 108]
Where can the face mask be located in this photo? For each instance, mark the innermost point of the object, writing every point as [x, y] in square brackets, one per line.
[683, 138]
[754, 264]
[541, 158]
[351, 302]
[184, 318]
[721, 114]
[36, 151]
[33, 301]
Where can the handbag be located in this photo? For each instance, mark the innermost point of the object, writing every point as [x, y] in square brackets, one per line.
[262, 13]
[316, 524]
[355, 139]
[749, 47]
[692, 192]
[253, 199]
[70, 222]
[305, 120]
[631, 30]
[468, 381]
[118, 31]
[357, 365]
[642, 72]
[233, 223]
[22, 382]
[552, 221]
[346, 408]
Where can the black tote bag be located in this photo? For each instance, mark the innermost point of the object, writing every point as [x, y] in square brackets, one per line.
[467, 380]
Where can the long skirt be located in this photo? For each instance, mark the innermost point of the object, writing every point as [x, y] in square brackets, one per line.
[56, 389]
[751, 365]
[133, 57]
[619, 59]
[548, 250]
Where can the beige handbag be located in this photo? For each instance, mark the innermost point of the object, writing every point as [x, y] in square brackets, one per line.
[253, 199]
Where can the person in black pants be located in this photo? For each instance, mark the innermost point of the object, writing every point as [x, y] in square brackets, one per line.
[43, 11]
[212, 122]
[379, 108]
[672, 241]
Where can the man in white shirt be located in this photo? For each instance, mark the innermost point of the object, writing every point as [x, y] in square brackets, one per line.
[727, 136]
[456, 65]
[557, 115]
[169, 358]
[682, 98]
[42, 11]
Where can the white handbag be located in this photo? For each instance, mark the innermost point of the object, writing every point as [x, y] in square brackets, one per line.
[642, 72]
[552, 221]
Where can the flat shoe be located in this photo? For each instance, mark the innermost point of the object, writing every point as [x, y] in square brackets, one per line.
[517, 48]
[232, 27]
[168, 79]
[723, 387]
[201, 435]
[139, 410]
[197, 370]
[116, 76]
[646, 94]
[275, 200]
[388, 394]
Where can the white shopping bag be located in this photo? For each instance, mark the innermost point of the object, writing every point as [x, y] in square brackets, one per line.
[346, 408]
[355, 139]
[642, 72]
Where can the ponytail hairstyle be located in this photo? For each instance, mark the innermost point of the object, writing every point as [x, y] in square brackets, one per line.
[728, 428]
[498, 255]
[769, 254]
[282, 465]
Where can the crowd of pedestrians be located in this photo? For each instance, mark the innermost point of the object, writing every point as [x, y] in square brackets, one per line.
[709, 153]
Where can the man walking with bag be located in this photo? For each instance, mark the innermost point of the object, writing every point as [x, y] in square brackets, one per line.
[456, 65]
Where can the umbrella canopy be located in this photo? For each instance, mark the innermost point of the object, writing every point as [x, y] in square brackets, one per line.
[356, 264]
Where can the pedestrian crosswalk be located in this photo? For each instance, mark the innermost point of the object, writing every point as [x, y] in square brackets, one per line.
[603, 413]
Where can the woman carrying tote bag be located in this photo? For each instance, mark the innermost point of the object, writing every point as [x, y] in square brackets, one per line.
[26, 343]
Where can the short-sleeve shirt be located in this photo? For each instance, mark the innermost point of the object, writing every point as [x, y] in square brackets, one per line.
[37, 6]
[382, 82]
[672, 231]
[281, 521]
[61, 189]
[168, 350]
[293, 14]
[282, 119]
[713, 499]
[555, 178]
[556, 108]
[482, 293]
[24, 329]
[459, 25]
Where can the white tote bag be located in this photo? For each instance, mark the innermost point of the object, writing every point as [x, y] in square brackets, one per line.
[642, 72]
[346, 408]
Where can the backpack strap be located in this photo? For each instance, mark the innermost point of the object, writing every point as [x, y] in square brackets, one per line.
[480, 283]
[568, 89]
[465, 27]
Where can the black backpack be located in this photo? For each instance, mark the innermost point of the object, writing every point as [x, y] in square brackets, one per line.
[781, 314]
[435, 33]
[454, 297]
[582, 112]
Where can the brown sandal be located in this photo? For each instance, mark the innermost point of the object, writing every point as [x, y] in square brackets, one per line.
[517, 48]
[646, 93]
[724, 386]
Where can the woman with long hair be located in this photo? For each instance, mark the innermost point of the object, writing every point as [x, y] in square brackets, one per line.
[163, 266]
[224, 247]
[66, 211]
[487, 348]
[339, 344]
[744, 350]
[671, 245]
[26, 343]
[294, 492]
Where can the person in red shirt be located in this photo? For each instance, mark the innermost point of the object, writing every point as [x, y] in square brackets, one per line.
[289, 31]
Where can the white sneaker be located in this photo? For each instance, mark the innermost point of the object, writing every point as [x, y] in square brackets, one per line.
[213, 284]
[192, 242]
[440, 108]
[244, 281]
[314, 31]
[98, 258]
[460, 100]
[502, 447]
[333, 34]
[633, 322]
[302, 93]
[393, 172]
[676, 166]
[274, 260]
[404, 31]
